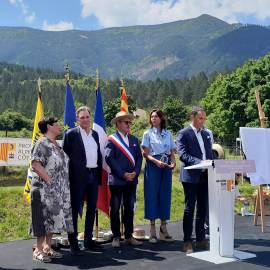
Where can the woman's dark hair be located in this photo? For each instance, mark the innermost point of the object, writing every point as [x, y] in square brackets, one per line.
[42, 124]
[160, 114]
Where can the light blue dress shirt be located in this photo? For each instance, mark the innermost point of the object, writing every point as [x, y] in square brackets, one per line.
[200, 140]
[158, 142]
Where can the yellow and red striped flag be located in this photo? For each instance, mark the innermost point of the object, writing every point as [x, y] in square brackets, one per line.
[124, 99]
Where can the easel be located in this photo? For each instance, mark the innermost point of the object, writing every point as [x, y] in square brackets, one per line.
[259, 205]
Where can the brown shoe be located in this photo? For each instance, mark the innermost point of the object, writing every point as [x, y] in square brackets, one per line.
[187, 247]
[202, 245]
[133, 242]
[164, 235]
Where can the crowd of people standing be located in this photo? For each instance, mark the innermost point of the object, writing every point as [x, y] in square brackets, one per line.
[66, 177]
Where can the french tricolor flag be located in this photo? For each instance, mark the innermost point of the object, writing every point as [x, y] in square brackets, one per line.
[103, 202]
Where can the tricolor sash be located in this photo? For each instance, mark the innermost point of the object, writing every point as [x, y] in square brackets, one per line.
[121, 146]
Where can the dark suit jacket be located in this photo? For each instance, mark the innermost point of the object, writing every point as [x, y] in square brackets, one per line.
[74, 148]
[190, 153]
[119, 164]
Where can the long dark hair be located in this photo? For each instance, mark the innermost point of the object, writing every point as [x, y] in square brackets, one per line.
[161, 115]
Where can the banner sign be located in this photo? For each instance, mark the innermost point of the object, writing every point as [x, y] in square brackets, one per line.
[15, 151]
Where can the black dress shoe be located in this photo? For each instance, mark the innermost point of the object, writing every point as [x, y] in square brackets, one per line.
[203, 245]
[92, 245]
[76, 251]
[74, 246]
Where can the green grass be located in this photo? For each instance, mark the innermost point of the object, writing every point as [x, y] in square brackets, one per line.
[247, 191]
[12, 176]
[15, 213]
[176, 207]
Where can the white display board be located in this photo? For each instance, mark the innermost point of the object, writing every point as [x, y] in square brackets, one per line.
[256, 146]
[16, 151]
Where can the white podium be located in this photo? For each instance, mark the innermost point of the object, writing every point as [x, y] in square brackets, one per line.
[221, 175]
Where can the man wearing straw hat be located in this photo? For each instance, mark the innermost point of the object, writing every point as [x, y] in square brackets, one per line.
[123, 155]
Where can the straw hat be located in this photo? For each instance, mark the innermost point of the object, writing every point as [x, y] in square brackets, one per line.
[121, 115]
[139, 234]
[218, 151]
[81, 236]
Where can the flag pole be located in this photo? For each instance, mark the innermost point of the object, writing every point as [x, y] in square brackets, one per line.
[67, 72]
[122, 207]
[39, 85]
[97, 78]
[96, 212]
[122, 87]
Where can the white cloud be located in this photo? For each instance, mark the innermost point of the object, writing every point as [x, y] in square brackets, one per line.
[61, 26]
[28, 16]
[24, 7]
[132, 12]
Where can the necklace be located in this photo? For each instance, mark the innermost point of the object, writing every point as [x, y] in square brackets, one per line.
[54, 142]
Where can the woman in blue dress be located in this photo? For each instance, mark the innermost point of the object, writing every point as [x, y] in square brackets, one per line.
[158, 149]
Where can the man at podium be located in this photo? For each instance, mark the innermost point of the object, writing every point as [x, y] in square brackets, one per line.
[193, 146]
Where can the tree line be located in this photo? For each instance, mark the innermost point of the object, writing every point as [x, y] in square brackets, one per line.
[18, 87]
[229, 99]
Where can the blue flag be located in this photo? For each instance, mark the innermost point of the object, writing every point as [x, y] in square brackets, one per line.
[70, 112]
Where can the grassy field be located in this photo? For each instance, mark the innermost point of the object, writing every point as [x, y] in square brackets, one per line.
[15, 213]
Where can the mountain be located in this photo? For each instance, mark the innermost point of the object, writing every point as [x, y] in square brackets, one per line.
[172, 50]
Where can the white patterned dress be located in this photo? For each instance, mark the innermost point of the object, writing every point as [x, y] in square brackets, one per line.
[50, 203]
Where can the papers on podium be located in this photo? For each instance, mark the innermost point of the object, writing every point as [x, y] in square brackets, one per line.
[226, 166]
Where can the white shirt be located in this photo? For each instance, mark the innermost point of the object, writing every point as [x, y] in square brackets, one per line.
[124, 137]
[200, 140]
[210, 133]
[90, 147]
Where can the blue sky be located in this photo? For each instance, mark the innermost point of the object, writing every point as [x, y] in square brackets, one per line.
[58, 15]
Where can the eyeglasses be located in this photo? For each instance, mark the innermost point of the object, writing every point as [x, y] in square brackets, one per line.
[52, 124]
[127, 122]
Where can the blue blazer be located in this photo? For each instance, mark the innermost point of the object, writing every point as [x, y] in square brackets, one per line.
[74, 148]
[190, 153]
[118, 162]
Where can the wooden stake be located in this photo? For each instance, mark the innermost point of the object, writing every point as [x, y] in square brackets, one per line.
[259, 204]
